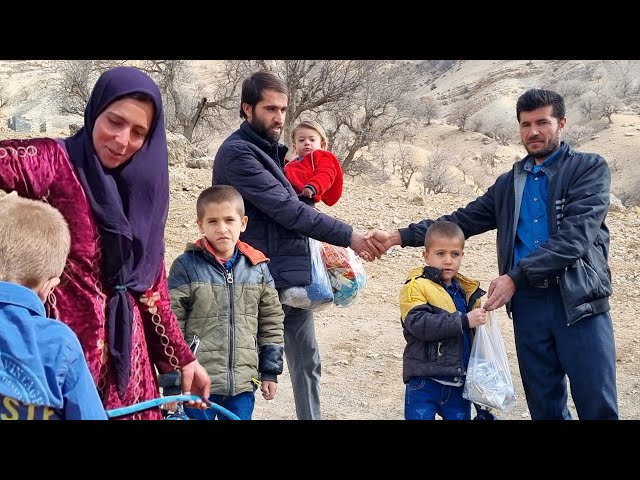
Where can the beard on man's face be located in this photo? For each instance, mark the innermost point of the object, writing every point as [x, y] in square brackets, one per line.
[553, 145]
[261, 129]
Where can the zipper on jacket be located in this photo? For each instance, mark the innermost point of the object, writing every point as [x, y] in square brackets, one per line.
[564, 302]
[553, 228]
[229, 276]
[195, 343]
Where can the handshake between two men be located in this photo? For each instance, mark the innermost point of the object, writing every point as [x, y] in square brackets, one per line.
[376, 242]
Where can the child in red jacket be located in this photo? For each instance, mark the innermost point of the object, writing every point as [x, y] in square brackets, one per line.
[315, 174]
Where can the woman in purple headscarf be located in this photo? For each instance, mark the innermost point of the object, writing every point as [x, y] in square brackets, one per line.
[110, 181]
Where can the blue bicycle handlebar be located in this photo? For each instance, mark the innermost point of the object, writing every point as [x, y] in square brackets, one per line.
[156, 402]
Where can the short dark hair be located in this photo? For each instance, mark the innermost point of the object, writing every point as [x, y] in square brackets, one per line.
[538, 98]
[219, 194]
[253, 86]
[442, 228]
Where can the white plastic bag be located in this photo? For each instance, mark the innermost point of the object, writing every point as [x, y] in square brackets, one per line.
[319, 293]
[488, 380]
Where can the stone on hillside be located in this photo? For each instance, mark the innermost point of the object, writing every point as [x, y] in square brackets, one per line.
[615, 204]
[181, 150]
[202, 162]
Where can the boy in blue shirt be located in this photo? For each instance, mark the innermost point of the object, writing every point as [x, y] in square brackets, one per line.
[43, 372]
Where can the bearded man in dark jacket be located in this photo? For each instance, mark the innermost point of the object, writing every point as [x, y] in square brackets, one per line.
[252, 160]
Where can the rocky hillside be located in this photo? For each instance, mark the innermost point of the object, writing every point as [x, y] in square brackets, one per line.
[491, 86]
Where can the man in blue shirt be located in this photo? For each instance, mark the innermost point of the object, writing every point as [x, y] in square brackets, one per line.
[43, 372]
[549, 214]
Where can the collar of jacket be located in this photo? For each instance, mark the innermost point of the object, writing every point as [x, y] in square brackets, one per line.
[564, 151]
[469, 285]
[254, 255]
[275, 150]
[432, 273]
[18, 295]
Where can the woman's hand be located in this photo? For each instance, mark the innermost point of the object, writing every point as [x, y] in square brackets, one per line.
[196, 381]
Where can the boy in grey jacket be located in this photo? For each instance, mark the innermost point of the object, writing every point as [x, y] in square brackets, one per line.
[227, 306]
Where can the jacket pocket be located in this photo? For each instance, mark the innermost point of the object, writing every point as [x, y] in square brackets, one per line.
[431, 351]
[597, 272]
[589, 278]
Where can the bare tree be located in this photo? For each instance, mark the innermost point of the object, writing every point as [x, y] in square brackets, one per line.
[463, 164]
[505, 134]
[575, 135]
[315, 86]
[587, 104]
[590, 70]
[461, 113]
[435, 172]
[381, 110]
[476, 123]
[74, 82]
[379, 168]
[482, 176]
[431, 108]
[607, 105]
[488, 155]
[595, 71]
[624, 83]
[569, 88]
[186, 106]
[366, 164]
[406, 164]
[499, 130]
[195, 110]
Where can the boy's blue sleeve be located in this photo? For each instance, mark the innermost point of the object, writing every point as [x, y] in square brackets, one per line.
[81, 399]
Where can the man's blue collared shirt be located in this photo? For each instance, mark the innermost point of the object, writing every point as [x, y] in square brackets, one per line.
[533, 223]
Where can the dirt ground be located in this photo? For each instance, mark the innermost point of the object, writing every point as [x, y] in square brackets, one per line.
[361, 346]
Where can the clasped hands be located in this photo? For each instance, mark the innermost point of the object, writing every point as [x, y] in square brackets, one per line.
[376, 242]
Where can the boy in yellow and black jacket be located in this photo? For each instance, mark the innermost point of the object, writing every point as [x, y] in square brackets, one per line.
[440, 309]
